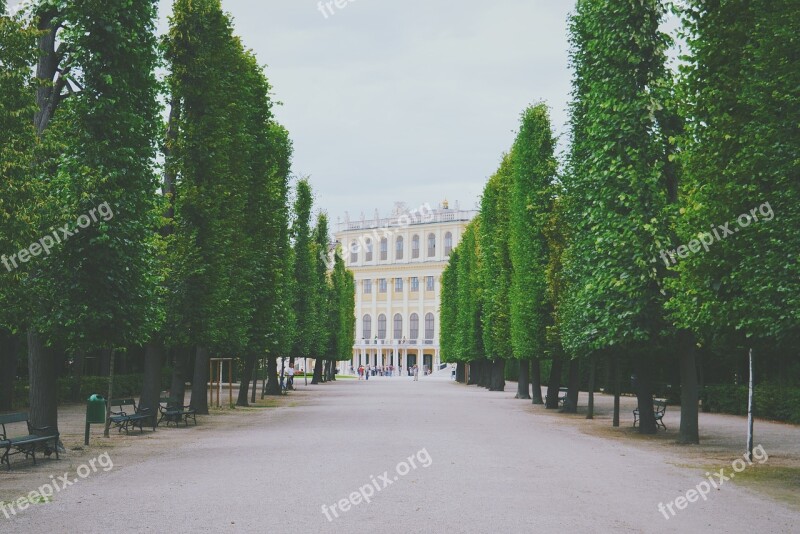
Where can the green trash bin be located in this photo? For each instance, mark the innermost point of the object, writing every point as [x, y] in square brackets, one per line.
[95, 413]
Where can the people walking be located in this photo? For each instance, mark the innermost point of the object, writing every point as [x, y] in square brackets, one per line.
[416, 373]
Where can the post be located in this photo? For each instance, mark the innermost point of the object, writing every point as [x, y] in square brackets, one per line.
[211, 381]
[750, 411]
[230, 382]
[305, 369]
[110, 394]
[86, 435]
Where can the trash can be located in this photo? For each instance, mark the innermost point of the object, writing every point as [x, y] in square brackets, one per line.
[95, 413]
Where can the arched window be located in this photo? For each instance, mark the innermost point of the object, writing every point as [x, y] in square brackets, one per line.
[381, 326]
[398, 326]
[415, 246]
[448, 243]
[413, 324]
[353, 252]
[398, 248]
[369, 250]
[384, 249]
[431, 245]
[429, 326]
[367, 327]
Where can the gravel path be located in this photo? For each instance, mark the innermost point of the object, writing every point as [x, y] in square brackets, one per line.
[482, 462]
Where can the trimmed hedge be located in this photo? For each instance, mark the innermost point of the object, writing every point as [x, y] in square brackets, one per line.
[771, 402]
[124, 386]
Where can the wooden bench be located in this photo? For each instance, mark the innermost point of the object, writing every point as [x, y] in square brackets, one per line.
[131, 419]
[37, 438]
[659, 409]
[562, 396]
[174, 412]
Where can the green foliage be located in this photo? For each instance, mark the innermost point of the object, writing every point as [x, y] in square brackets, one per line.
[101, 286]
[614, 186]
[305, 273]
[495, 275]
[771, 402]
[533, 170]
[741, 92]
[17, 190]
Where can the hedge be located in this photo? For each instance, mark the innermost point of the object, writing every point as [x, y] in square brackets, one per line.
[771, 402]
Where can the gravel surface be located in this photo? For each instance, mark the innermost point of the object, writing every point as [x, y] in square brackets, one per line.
[483, 462]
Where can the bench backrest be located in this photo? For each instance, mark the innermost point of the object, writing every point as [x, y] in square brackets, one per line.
[9, 419]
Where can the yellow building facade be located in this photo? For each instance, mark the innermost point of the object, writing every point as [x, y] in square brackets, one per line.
[398, 262]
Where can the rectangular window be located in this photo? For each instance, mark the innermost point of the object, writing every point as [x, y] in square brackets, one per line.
[367, 287]
[414, 284]
[382, 285]
[398, 285]
[428, 283]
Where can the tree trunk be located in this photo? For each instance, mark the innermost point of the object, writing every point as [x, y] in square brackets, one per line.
[554, 383]
[109, 354]
[317, 371]
[460, 369]
[151, 384]
[474, 373]
[273, 385]
[247, 375]
[592, 376]
[256, 361]
[77, 376]
[690, 428]
[522, 382]
[43, 394]
[617, 388]
[485, 380]
[177, 387]
[200, 381]
[571, 405]
[644, 393]
[498, 375]
[536, 382]
[8, 369]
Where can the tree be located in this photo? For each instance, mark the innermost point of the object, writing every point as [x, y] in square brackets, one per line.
[496, 271]
[615, 195]
[323, 305]
[210, 308]
[533, 170]
[740, 171]
[304, 274]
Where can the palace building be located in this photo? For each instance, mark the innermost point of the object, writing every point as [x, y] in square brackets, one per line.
[398, 262]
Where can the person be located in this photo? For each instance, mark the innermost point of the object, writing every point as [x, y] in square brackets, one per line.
[290, 381]
[416, 373]
[366, 373]
[360, 372]
[453, 372]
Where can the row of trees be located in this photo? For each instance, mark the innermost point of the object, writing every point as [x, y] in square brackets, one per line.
[585, 264]
[217, 264]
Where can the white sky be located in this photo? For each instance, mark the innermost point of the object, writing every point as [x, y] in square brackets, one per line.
[405, 100]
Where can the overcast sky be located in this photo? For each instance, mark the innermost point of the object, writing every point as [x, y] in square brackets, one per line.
[405, 100]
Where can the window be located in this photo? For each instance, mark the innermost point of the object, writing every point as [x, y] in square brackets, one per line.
[415, 247]
[431, 245]
[428, 283]
[381, 326]
[448, 243]
[353, 252]
[398, 285]
[413, 324]
[384, 249]
[398, 326]
[367, 326]
[369, 250]
[414, 284]
[429, 326]
[398, 249]
[382, 285]
[367, 287]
